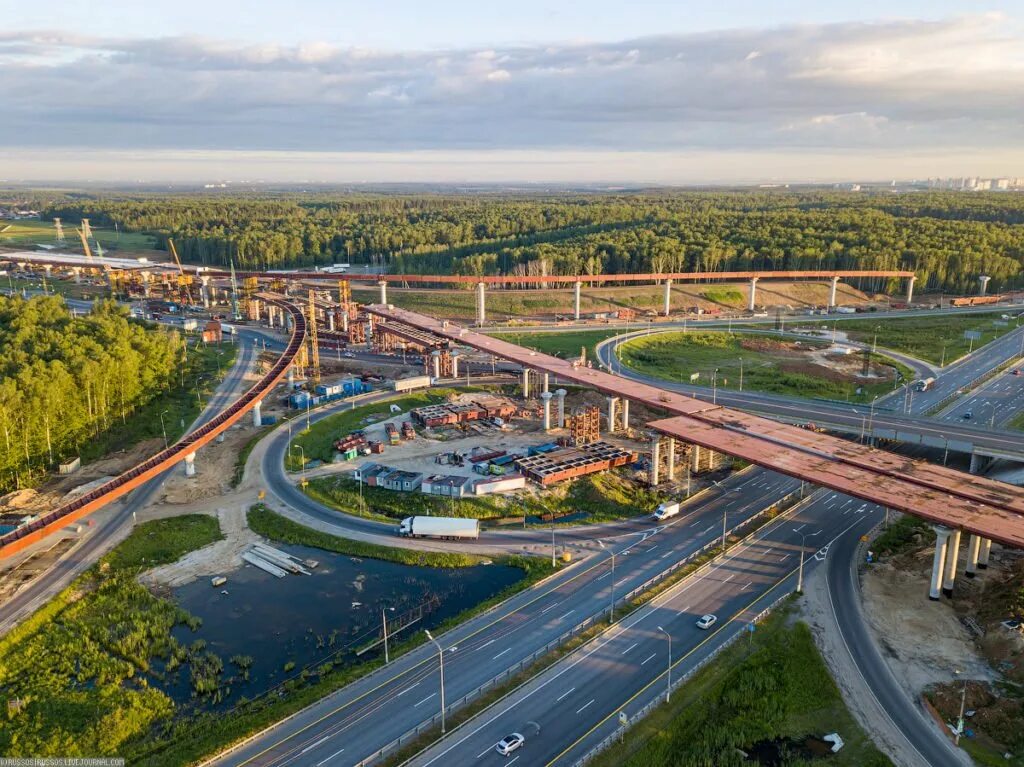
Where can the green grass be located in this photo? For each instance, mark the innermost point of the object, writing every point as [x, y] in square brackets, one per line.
[924, 337]
[724, 296]
[774, 686]
[566, 345]
[676, 356]
[317, 442]
[163, 540]
[900, 536]
[29, 233]
[246, 451]
[179, 405]
[1017, 423]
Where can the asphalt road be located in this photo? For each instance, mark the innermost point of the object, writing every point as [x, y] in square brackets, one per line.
[99, 538]
[568, 709]
[359, 719]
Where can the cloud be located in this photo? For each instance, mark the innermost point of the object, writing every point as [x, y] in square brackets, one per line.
[852, 86]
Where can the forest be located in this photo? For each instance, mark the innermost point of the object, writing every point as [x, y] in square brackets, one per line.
[947, 238]
[65, 380]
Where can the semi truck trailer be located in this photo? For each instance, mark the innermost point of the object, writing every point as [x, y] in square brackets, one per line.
[439, 527]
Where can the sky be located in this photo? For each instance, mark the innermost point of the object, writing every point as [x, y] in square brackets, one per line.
[677, 92]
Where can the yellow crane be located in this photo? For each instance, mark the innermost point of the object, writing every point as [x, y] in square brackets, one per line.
[184, 280]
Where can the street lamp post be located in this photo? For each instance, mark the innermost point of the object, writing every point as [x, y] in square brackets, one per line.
[611, 610]
[668, 687]
[302, 469]
[741, 374]
[384, 622]
[552, 546]
[163, 428]
[800, 575]
[440, 655]
[714, 387]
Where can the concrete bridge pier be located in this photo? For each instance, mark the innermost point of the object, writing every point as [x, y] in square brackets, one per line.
[984, 550]
[330, 321]
[546, 399]
[435, 364]
[952, 554]
[481, 304]
[544, 382]
[368, 330]
[561, 407]
[383, 285]
[455, 365]
[939, 561]
[78, 275]
[978, 463]
[973, 549]
[576, 301]
[668, 298]
[694, 458]
[190, 465]
[612, 408]
[204, 291]
[753, 294]
[344, 322]
[655, 459]
[625, 414]
[257, 413]
[832, 293]
[983, 281]
[671, 468]
[910, 289]
[526, 383]
[291, 376]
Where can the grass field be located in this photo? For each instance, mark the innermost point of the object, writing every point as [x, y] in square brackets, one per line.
[565, 344]
[773, 686]
[28, 233]
[924, 337]
[676, 356]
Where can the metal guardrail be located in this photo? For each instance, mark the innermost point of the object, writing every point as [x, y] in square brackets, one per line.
[974, 384]
[683, 679]
[124, 483]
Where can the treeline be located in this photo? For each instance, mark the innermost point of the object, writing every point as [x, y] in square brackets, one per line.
[947, 238]
[65, 379]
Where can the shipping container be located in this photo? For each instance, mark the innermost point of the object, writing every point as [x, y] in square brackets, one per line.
[416, 382]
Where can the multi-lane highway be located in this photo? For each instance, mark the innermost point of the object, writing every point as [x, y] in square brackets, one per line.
[363, 717]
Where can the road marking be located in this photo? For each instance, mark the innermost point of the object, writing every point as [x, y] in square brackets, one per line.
[652, 548]
[513, 761]
[507, 649]
[566, 615]
[487, 644]
[581, 710]
[325, 761]
[482, 753]
[705, 532]
[424, 700]
[564, 694]
[311, 746]
[667, 553]
[747, 586]
[731, 577]
[549, 607]
[403, 692]
[769, 551]
[648, 658]
[630, 647]
[782, 559]
[798, 529]
[602, 576]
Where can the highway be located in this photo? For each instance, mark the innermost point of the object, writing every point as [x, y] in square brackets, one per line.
[359, 719]
[110, 528]
[567, 710]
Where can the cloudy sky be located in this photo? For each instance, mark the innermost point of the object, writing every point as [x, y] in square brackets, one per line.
[402, 90]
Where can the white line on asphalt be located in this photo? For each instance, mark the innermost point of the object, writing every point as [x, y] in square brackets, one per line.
[602, 576]
[325, 761]
[564, 694]
[549, 607]
[487, 644]
[482, 753]
[652, 548]
[581, 710]
[508, 649]
[403, 692]
[311, 746]
[768, 550]
[630, 647]
[648, 658]
[424, 700]
[747, 586]
[705, 532]
[566, 615]
[798, 529]
[729, 578]
[667, 553]
[513, 761]
[782, 559]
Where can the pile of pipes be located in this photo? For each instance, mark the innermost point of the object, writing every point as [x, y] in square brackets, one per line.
[277, 563]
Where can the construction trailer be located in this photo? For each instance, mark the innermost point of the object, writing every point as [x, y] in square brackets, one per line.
[450, 486]
[505, 484]
[568, 463]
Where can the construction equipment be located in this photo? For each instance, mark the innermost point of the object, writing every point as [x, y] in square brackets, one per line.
[234, 293]
[60, 231]
[85, 245]
[314, 347]
[184, 280]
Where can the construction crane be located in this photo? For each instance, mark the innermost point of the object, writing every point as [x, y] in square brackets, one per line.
[314, 348]
[85, 245]
[60, 231]
[234, 292]
[184, 281]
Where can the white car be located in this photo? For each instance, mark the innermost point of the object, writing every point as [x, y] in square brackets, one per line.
[509, 743]
[707, 621]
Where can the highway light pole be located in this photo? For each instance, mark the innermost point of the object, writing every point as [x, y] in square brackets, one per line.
[714, 387]
[611, 610]
[163, 428]
[552, 546]
[302, 469]
[668, 687]
[800, 575]
[440, 655]
[384, 622]
[741, 374]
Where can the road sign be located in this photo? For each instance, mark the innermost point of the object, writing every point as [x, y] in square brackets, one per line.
[972, 335]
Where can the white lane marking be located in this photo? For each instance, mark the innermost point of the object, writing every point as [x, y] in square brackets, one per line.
[649, 657]
[325, 761]
[507, 649]
[602, 576]
[747, 586]
[729, 578]
[705, 532]
[311, 746]
[564, 694]
[769, 551]
[630, 647]
[549, 607]
[513, 761]
[488, 643]
[566, 615]
[585, 707]
[652, 548]
[403, 692]
[424, 700]
[798, 529]
[666, 554]
[482, 753]
[782, 559]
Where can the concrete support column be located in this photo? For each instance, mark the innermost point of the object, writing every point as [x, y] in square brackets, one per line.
[526, 383]
[625, 414]
[561, 407]
[576, 301]
[330, 321]
[612, 402]
[344, 322]
[544, 382]
[546, 399]
[983, 553]
[668, 298]
[655, 458]
[291, 376]
[938, 561]
[190, 465]
[204, 291]
[78, 276]
[977, 463]
[694, 458]
[481, 303]
[435, 364]
[368, 329]
[383, 292]
[832, 293]
[257, 414]
[753, 294]
[455, 365]
[983, 281]
[145, 285]
[952, 554]
[973, 549]
[671, 458]
[910, 289]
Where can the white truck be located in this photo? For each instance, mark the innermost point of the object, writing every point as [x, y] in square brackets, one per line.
[439, 527]
[666, 510]
[925, 384]
[416, 382]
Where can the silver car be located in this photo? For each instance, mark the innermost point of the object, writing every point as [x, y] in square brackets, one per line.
[509, 743]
